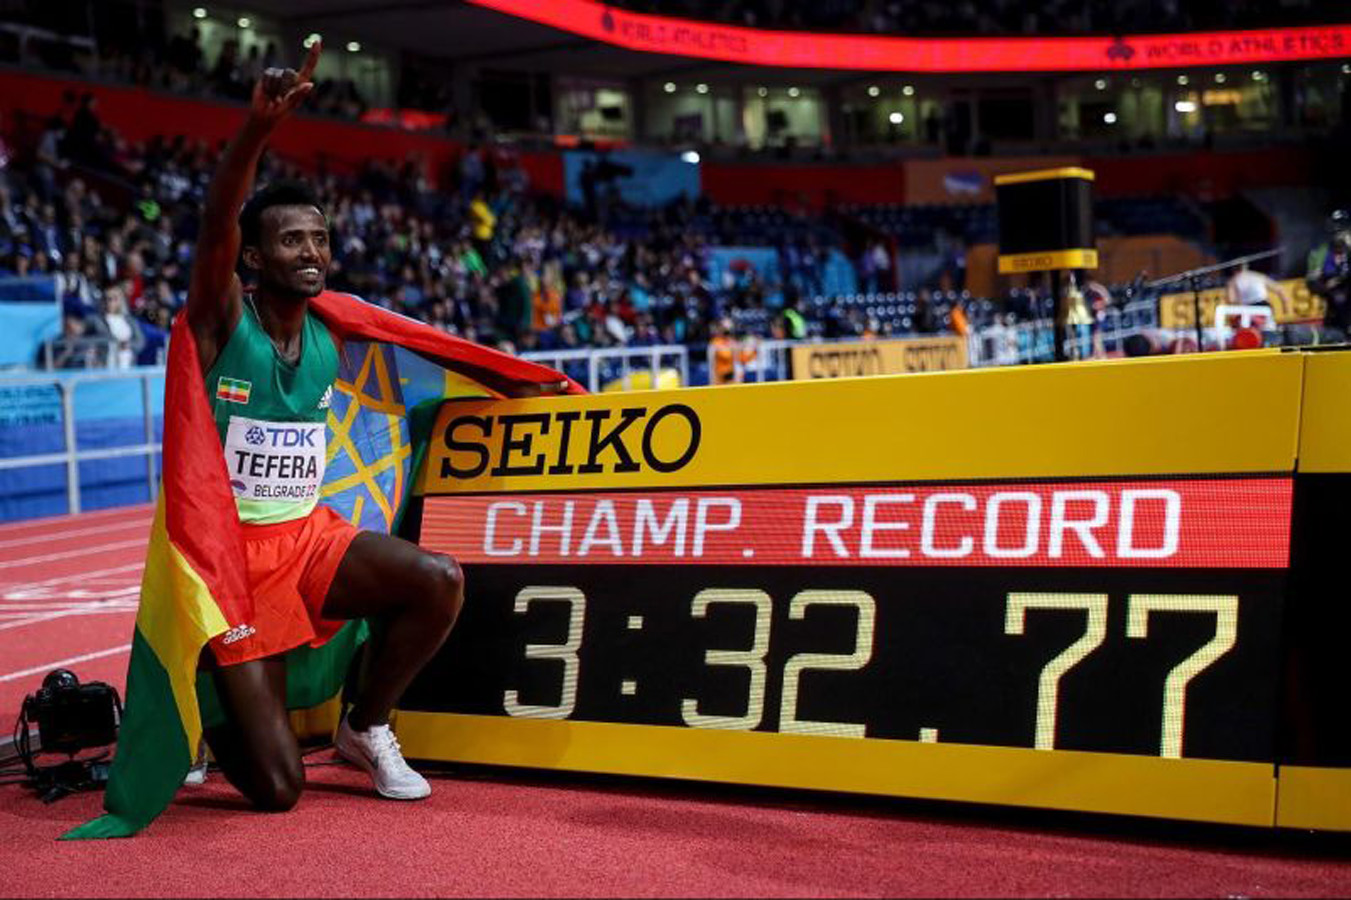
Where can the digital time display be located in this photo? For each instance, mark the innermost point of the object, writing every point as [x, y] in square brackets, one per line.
[1119, 616]
[1068, 587]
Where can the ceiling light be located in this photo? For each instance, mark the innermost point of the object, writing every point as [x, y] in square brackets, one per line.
[244, 22]
[1101, 84]
[1258, 75]
[701, 88]
[691, 157]
[199, 12]
[1109, 118]
[1185, 106]
[908, 90]
[874, 90]
[1219, 78]
[793, 92]
[669, 87]
[1182, 79]
[353, 46]
[896, 118]
[763, 92]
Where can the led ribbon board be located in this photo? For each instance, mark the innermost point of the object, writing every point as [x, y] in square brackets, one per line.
[1056, 586]
[794, 49]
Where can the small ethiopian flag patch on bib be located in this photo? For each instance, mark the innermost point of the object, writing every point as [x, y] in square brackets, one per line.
[232, 390]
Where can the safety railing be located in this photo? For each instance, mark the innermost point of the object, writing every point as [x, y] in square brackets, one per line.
[71, 456]
[80, 353]
[999, 344]
[597, 367]
[1031, 342]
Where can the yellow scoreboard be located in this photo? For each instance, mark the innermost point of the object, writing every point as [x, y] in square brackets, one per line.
[1058, 586]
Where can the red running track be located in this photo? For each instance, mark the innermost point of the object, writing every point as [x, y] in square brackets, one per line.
[68, 592]
[67, 597]
[489, 834]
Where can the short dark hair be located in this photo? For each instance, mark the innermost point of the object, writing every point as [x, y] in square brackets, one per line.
[279, 193]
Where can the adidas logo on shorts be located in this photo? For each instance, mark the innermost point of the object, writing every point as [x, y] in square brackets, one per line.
[238, 633]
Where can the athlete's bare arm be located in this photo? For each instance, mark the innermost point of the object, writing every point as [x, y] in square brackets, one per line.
[215, 294]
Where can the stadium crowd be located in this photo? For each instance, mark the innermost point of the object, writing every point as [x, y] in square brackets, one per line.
[483, 258]
[480, 256]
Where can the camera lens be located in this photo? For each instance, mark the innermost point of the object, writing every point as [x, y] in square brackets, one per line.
[60, 680]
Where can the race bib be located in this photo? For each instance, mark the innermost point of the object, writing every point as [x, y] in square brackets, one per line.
[276, 461]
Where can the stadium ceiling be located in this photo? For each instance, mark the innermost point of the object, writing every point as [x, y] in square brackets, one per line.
[464, 33]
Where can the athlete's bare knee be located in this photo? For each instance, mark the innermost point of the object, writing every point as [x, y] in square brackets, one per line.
[279, 788]
[442, 593]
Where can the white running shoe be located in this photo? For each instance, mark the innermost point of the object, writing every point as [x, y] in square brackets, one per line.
[377, 751]
[197, 773]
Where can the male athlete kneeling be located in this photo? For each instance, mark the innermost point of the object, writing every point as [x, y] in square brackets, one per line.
[269, 366]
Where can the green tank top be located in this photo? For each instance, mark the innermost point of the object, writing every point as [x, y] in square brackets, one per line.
[271, 418]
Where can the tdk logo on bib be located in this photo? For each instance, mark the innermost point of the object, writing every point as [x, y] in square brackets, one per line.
[286, 435]
[275, 460]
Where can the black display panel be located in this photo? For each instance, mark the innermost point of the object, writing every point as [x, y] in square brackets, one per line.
[1174, 662]
[1316, 727]
[1045, 215]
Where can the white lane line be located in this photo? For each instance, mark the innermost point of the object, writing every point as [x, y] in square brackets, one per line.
[95, 516]
[129, 597]
[82, 576]
[57, 612]
[78, 532]
[14, 599]
[90, 589]
[70, 554]
[85, 657]
[38, 618]
[18, 610]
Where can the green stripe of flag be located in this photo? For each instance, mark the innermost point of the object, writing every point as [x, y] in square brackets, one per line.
[143, 782]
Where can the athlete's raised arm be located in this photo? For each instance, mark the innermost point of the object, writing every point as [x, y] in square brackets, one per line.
[214, 294]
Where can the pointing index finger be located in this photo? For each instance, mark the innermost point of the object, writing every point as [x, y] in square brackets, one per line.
[311, 61]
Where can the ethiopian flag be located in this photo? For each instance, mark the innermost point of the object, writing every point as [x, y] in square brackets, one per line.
[392, 371]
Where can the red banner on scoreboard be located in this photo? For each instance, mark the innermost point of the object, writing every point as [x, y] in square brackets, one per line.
[752, 46]
[1237, 523]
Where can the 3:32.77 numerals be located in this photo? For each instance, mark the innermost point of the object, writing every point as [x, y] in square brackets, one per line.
[752, 659]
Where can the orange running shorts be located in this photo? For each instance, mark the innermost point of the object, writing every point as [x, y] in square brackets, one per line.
[291, 565]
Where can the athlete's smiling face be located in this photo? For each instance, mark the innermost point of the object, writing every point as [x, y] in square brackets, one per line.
[293, 253]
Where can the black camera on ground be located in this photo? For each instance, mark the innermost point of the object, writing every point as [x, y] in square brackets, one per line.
[71, 716]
